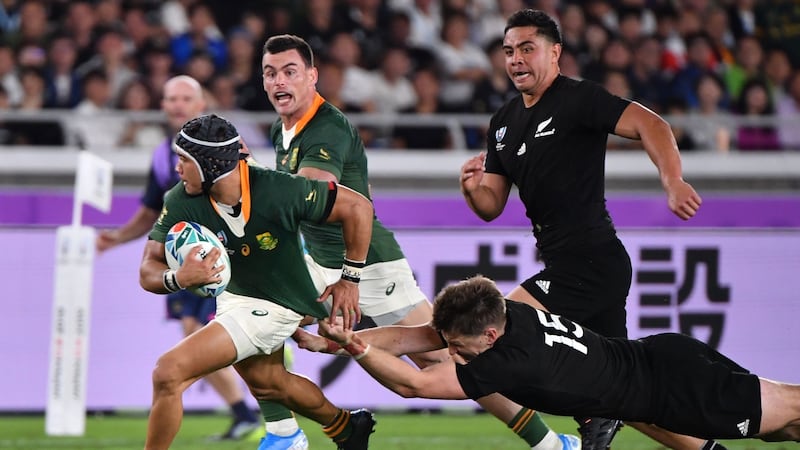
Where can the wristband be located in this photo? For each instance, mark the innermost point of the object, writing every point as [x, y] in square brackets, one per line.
[170, 280]
[351, 270]
[353, 350]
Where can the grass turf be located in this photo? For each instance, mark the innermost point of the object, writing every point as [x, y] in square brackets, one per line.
[393, 432]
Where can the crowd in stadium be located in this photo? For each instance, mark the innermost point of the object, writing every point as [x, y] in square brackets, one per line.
[709, 59]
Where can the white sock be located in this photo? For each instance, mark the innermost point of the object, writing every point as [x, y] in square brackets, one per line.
[284, 427]
[549, 442]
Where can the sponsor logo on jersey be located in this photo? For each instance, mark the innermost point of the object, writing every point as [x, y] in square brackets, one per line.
[312, 196]
[500, 133]
[293, 159]
[162, 215]
[266, 241]
[544, 285]
[744, 427]
[542, 126]
[259, 312]
[324, 154]
[522, 150]
[390, 288]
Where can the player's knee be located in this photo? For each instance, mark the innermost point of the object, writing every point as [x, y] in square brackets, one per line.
[167, 376]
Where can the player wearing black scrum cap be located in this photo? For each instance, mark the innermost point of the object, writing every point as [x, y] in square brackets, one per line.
[256, 214]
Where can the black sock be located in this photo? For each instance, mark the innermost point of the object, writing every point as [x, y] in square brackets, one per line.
[242, 413]
[713, 445]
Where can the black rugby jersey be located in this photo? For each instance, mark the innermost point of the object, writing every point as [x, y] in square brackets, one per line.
[554, 152]
[551, 364]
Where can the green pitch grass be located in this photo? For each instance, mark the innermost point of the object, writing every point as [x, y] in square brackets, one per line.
[393, 432]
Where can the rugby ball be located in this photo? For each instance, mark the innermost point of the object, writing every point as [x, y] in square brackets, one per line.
[182, 238]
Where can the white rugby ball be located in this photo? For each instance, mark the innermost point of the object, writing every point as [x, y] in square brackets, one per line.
[182, 238]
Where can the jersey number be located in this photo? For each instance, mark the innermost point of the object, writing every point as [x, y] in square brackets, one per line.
[565, 336]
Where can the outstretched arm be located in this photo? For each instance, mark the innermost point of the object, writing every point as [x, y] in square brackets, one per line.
[438, 381]
[638, 122]
[396, 340]
[138, 225]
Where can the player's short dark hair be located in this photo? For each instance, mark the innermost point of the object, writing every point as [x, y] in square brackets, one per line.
[545, 25]
[468, 307]
[285, 42]
[213, 144]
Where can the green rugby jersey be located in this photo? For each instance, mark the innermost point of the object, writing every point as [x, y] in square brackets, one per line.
[267, 259]
[324, 139]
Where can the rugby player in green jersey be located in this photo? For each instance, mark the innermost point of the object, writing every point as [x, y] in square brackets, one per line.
[255, 212]
[314, 139]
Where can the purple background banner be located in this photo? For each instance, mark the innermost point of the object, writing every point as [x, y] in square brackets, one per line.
[740, 278]
[763, 211]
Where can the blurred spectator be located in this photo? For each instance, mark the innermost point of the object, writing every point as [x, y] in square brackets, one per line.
[330, 84]
[96, 93]
[93, 127]
[398, 34]
[279, 19]
[674, 56]
[202, 35]
[253, 21]
[9, 21]
[244, 69]
[491, 19]
[630, 25]
[708, 130]
[777, 71]
[649, 84]
[676, 110]
[318, 23]
[573, 27]
[616, 82]
[38, 132]
[200, 66]
[568, 63]
[754, 101]
[494, 90]
[32, 55]
[722, 40]
[749, 64]
[34, 27]
[224, 98]
[616, 56]
[426, 87]
[109, 13]
[136, 97]
[741, 19]
[156, 65]
[138, 24]
[463, 64]
[393, 90]
[788, 114]
[33, 88]
[63, 84]
[359, 84]
[699, 59]
[689, 23]
[9, 78]
[112, 58]
[426, 22]
[175, 16]
[366, 20]
[80, 25]
[597, 37]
